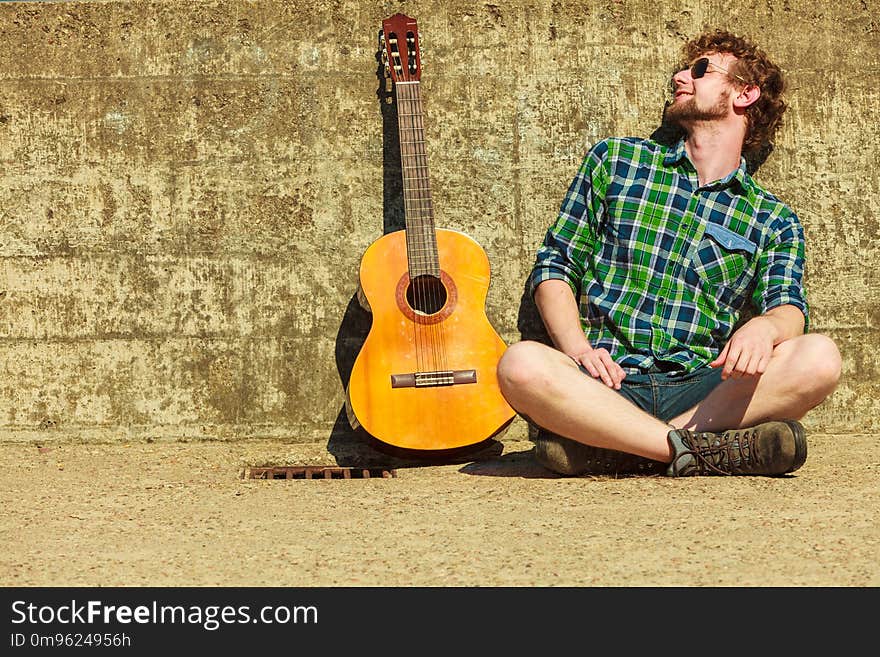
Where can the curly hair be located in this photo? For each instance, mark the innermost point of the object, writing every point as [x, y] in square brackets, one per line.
[764, 116]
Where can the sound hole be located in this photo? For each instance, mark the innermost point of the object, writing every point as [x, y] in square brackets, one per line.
[426, 294]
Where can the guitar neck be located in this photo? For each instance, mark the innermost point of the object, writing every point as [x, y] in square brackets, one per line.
[421, 240]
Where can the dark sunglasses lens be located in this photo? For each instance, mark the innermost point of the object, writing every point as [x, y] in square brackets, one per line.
[699, 67]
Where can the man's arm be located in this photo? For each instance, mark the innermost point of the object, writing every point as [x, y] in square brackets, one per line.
[559, 311]
[749, 349]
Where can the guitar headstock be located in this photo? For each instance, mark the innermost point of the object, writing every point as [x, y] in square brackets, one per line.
[400, 48]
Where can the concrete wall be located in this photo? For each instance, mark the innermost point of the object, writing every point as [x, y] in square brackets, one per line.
[186, 188]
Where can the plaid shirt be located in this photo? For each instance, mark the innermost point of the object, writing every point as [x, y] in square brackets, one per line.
[662, 267]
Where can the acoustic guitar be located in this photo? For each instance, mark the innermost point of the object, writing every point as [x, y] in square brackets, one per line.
[424, 378]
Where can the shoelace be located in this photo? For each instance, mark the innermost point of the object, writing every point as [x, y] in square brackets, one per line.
[712, 450]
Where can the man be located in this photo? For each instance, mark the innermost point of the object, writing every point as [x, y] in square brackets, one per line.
[641, 282]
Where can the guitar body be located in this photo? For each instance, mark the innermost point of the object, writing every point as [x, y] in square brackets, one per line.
[435, 325]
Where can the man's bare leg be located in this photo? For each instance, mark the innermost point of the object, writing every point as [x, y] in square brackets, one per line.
[802, 372]
[546, 386]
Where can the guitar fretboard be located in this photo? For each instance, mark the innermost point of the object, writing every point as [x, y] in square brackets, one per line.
[421, 241]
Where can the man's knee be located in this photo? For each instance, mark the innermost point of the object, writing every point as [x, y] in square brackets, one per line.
[519, 364]
[825, 358]
[816, 363]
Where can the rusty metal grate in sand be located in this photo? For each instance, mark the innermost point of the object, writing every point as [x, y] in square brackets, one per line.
[318, 472]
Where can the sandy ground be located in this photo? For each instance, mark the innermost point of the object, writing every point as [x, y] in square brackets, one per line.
[183, 514]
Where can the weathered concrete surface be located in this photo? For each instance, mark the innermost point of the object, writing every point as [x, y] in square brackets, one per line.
[186, 189]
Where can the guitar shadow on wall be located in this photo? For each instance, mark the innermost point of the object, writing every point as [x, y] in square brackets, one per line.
[350, 446]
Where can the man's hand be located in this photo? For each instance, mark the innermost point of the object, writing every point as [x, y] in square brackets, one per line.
[600, 365]
[559, 312]
[749, 349]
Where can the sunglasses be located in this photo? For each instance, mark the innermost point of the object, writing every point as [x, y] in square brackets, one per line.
[699, 68]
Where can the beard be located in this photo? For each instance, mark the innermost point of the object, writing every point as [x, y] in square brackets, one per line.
[689, 111]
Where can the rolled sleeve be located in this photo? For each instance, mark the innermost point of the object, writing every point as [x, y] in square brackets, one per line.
[781, 269]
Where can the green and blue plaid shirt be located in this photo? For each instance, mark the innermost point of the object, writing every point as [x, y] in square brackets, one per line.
[662, 267]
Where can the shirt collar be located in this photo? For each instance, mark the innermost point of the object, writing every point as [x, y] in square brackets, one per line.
[738, 176]
[676, 154]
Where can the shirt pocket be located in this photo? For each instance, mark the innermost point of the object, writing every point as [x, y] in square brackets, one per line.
[722, 255]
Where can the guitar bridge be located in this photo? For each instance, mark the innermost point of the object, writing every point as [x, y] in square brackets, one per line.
[433, 379]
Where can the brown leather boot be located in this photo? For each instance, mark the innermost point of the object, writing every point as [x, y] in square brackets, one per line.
[771, 449]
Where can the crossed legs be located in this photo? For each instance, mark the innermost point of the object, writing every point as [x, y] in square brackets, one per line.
[546, 386]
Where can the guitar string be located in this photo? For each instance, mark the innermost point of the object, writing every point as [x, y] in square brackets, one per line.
[433, 291]
[405, 149]
[422, 329]
[439, 327]
[412, 189]
[429, 335]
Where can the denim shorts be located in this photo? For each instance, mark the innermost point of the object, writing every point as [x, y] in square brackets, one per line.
[666, 395]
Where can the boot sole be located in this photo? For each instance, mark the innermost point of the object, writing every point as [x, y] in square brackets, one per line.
[800, 444]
